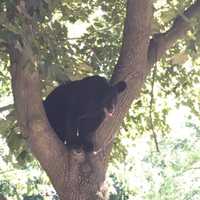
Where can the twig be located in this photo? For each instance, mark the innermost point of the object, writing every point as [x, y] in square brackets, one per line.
[152, 102]
[8, 107]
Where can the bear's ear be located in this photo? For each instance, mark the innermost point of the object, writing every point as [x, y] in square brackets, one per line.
[121, 86]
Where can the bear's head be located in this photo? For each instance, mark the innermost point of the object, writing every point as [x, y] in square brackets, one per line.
[109, 100]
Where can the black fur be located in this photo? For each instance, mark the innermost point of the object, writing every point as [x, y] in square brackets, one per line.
[76, 109]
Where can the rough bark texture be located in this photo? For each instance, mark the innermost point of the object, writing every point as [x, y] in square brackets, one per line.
[76, 175]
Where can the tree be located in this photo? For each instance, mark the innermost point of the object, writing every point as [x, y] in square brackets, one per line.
[76, 175]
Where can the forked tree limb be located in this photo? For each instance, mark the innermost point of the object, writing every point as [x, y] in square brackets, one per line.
[83, 181]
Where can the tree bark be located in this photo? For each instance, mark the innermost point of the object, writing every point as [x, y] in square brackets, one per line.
[76, 175]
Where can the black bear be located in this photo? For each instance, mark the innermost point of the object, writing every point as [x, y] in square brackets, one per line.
[76, 109]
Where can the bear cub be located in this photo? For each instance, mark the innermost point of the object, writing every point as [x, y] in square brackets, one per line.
[76, 109]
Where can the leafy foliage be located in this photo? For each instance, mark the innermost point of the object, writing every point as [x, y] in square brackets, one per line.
[172, 174]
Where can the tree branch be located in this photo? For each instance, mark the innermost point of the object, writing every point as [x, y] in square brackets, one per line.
[151, 108]
[32, 120]
[163, 41]
[44, 143]
[131, 67]
[4, 108]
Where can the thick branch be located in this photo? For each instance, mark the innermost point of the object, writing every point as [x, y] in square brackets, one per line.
[163, 41]
[131, 67]
[30, 113]
[31, 117]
